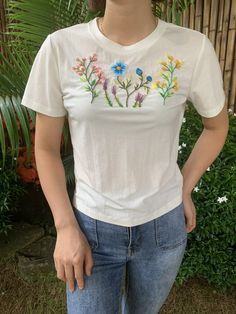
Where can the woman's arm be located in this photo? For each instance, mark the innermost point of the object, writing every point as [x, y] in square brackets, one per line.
[72, 249]
[50, 168]
[205, 151]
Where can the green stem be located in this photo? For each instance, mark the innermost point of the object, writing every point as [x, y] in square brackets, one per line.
[118, 101]
[108, 99]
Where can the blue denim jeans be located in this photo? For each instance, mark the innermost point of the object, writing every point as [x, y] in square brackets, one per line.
[134, 267]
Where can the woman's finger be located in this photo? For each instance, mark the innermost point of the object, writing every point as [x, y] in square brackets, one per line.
[79, 273]
[70, 277]
[60, 270]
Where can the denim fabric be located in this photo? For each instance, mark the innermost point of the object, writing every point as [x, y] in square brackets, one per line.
[134, 267]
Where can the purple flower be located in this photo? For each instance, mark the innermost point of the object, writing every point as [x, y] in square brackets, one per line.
[139, 97]
[113, 90]
[105, 83]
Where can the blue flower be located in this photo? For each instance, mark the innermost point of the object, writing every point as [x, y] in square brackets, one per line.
[149, 78]
[139, 71]
[119, 68]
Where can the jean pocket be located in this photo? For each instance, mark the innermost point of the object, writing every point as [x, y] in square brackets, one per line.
[88, 226]
[170, 228]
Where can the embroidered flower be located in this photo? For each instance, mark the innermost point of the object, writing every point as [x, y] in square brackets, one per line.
[119, 68]
[125, 83]
[105, 83]
[139, 71]
[90, 73]
[113, 90]
[105, 88]
[138, 99]
[169, 84]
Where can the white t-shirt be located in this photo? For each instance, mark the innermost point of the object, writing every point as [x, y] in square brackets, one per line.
[125, 107]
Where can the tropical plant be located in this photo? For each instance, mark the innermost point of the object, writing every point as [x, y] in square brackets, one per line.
[28, 24]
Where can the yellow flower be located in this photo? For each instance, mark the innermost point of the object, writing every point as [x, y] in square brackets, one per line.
[162, 84]
[171, 58]
[178, 63]
[163, 63]
[176, 86]
[155, 84]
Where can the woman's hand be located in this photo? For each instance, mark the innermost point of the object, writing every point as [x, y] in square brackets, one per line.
[189, 211]
[71, 252]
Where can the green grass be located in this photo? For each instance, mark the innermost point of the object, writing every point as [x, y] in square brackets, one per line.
[47, 295]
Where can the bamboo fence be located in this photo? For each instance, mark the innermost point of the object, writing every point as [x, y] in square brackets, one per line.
[216, 19]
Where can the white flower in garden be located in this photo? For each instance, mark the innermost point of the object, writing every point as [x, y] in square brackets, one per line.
[230, 110]
[222, 199]
[179, 147]
[196, 189]
[208, 169]
[219, 200]
[234, 114]
[184, 119]
[183, 144]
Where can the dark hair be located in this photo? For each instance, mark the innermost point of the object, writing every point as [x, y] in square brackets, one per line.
[97, 5]
[100, 5]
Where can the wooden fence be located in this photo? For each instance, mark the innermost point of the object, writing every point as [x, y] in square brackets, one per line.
[216, 19]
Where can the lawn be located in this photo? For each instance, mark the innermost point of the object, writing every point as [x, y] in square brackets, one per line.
[47, 295]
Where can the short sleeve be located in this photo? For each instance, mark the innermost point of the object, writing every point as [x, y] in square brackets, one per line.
[43, 90]
[206, 90]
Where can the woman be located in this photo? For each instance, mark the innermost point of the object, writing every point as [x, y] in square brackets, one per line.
[123, 80]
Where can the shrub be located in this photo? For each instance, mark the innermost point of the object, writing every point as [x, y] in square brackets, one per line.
[11, 188]
[211, 249]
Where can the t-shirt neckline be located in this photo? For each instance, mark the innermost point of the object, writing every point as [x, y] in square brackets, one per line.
[111, 45]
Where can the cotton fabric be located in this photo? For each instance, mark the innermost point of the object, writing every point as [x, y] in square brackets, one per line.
[125, 107]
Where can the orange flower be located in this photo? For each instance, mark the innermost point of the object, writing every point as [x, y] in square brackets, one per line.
[164, 69]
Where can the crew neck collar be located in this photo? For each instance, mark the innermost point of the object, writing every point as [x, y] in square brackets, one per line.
[111, 45]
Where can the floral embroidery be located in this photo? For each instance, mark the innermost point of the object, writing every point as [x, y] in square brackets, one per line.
[119, 69]
[94, 76]
[169, 84]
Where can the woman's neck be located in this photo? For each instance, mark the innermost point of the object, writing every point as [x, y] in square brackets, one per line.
[127, 22]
